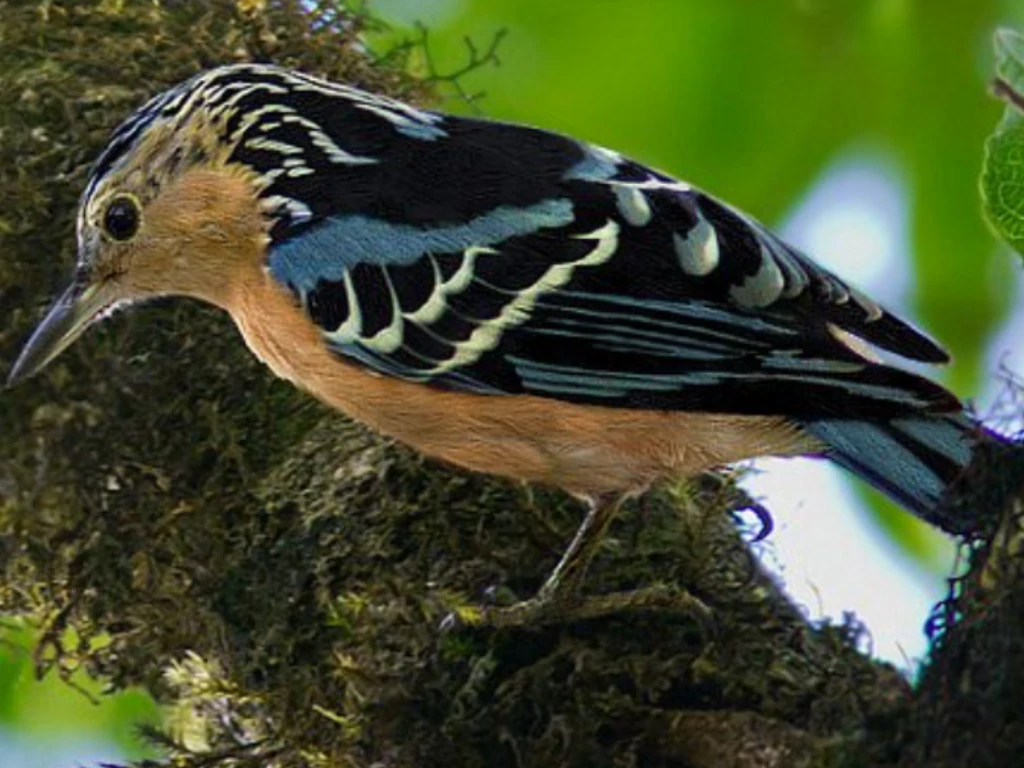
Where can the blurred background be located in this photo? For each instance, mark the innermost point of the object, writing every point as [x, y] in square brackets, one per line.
[853, 127]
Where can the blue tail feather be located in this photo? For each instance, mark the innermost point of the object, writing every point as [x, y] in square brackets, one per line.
[913, 459]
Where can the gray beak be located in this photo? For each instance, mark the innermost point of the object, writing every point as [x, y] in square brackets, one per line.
[72, 313]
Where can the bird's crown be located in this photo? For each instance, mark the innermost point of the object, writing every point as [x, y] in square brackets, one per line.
[277, 126]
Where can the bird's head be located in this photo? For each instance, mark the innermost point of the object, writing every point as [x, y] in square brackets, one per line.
[195, 185]
[163, 213]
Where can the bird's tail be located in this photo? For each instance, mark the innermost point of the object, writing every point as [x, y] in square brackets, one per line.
[913, 459]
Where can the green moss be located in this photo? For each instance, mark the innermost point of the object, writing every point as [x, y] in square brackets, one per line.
[977, 659]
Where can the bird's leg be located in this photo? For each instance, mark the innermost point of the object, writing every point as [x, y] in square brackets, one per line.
[559, 599]
[563, 583]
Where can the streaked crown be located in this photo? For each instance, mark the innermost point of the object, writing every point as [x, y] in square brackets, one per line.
[279, 127]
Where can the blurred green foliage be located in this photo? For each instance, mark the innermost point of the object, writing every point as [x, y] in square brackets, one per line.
[1003, 177]
[54, 708]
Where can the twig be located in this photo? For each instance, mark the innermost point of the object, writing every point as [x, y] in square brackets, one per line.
[476, 61]
[1003, 90]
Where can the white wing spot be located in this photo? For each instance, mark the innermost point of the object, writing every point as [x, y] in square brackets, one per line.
[654, 183]
[389, 338]
[762, 288]
[698, 252]
[435, 305]
[352, 329]
[327, 145]
[463, 276]
[486, 336]
[633, 205]
[871, 309]
[296, 209]
[605, 154]
[271, 145]
[854, 343]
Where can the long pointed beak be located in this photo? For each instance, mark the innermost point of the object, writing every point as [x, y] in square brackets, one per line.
[72, 313]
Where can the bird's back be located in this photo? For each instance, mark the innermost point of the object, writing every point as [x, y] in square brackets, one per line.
[512, 299]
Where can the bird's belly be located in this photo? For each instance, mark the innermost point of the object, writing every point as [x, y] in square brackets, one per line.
[590, 451]
[587, 450]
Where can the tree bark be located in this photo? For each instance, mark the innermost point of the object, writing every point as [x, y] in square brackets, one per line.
[278, 577]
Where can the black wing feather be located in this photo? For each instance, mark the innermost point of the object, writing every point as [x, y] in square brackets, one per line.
[567, 275]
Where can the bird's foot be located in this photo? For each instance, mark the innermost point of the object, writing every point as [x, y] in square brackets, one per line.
[560, 607]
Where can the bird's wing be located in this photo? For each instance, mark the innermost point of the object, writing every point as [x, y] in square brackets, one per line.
[497, 259]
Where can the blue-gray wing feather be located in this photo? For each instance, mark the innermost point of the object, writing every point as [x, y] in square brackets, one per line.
[566, 271]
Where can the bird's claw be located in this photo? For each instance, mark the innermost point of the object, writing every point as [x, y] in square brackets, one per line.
[496, 597]
[547, 609]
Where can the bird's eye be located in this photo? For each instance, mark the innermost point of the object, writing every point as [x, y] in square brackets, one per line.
[121, 219]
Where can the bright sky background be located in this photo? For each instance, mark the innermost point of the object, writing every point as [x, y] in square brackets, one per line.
[826, 548]
[33, 751]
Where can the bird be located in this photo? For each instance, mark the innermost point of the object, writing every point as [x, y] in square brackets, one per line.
[505, 298]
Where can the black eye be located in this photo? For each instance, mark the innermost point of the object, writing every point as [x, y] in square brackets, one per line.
[121, 219]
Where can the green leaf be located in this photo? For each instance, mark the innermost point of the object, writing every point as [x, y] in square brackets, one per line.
[1002, 176]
